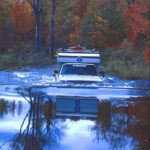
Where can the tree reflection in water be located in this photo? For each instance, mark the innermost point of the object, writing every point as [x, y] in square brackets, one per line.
[119, 123]
[9, 107]
[139, 122]
[124, 121]
[39, 128]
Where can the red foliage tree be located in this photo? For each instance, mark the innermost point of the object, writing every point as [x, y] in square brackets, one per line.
[80, 8]
[22, 16]
[136, 15]
[147, 54]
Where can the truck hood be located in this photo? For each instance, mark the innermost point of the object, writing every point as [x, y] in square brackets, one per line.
[83, 78]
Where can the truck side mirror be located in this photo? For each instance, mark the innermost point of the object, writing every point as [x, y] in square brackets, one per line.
[102, 73]
[55, 71]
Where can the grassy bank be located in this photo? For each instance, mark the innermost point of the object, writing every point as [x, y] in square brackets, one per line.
[125, 66]
[14, 61]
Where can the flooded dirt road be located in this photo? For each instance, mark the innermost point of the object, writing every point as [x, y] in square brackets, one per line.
[43, 76]
[33, 116]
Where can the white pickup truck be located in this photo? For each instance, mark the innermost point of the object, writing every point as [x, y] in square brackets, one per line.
[79, 65]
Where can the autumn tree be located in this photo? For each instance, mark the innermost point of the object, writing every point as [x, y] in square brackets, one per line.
[137, 17]
[78, 12]
[80, 8]
[104, 24]
[22, 16]
[52, 28]
[37, 6]
[95, 26]
[6, 27]
[147, 54]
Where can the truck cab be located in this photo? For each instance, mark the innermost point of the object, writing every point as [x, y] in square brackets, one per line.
[78, 65]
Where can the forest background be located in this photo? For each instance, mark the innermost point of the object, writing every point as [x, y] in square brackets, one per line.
[119, 29]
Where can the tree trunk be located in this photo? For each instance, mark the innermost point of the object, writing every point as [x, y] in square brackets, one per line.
[52, 29]
[37, 6]
[37, 17]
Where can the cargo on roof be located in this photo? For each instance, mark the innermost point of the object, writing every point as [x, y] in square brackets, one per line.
[78, 54]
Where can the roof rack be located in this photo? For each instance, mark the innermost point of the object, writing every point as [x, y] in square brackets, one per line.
[76, 54]
[77, 49]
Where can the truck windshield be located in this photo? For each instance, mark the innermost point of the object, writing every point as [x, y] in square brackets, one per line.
[79, 69]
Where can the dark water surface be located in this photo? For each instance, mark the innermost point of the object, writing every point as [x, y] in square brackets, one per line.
[35, 119]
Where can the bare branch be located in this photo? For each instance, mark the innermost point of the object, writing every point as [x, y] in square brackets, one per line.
[31, 3]
[23, 122]
[41, 7]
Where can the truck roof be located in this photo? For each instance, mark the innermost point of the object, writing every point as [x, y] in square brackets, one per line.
[78, 56]
[78, 64]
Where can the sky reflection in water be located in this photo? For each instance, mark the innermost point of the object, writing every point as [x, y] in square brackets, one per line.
[74, 122]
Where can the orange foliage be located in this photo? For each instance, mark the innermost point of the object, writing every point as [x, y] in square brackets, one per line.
[96, 30]
[81, 8]
[22, 16]
[147, 54]
[115, 46]
[74, 34]
[136, 17]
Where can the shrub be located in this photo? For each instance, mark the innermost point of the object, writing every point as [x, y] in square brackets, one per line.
[116, 63]
[7, 60]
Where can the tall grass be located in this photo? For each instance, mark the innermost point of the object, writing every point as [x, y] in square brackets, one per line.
[9, 61]
[117, 63]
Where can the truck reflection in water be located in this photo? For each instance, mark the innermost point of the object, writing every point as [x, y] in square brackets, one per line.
[50, 121]
[79, 107]
[43, 124]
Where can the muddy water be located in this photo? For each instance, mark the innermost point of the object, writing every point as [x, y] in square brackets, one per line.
[36, 120]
